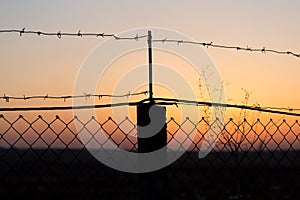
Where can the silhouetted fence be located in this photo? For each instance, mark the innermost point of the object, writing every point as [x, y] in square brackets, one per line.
[45, 157]
[58, 133]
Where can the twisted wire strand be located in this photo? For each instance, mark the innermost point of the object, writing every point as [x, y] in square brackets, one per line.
[238, 48]
[60, 34]
[65, 97]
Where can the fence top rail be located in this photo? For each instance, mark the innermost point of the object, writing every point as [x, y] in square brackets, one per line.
[161, 101]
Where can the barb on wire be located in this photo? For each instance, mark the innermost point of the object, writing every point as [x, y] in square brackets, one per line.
[238, 48]
[65, 97]
[60, 34]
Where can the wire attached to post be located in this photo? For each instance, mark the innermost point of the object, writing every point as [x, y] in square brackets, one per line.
[150, 66]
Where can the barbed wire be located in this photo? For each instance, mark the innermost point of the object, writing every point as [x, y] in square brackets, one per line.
[165, 102]
[238, 48]
[65, 97]
[59, 34]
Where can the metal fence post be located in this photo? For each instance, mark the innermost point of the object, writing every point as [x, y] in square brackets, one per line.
[152, 185]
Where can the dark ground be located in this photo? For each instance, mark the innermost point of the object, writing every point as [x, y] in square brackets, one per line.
[74, 174]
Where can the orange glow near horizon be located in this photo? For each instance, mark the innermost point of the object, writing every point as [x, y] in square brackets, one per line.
[282, 132]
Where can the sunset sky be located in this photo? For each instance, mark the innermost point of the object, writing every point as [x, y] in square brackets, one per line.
[246, 147]
[33, 65]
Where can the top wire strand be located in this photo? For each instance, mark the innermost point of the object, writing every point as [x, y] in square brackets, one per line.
[60, 34]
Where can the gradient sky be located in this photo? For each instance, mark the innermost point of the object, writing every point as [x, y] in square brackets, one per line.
[31, 65]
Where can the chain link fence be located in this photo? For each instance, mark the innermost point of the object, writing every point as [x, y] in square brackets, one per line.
[45, 158]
